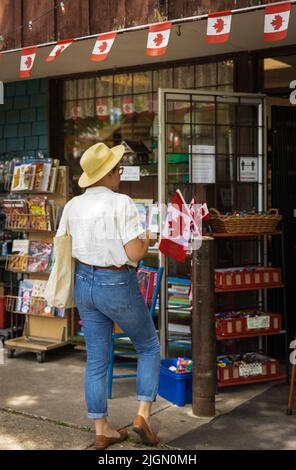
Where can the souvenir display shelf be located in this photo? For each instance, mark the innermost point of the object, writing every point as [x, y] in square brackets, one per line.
[42, 331]
[271, 370]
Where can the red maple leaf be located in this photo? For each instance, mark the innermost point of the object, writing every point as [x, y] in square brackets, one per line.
[219, 25]
[58, 51]
[158, 39]
[28, 62]
[103, 46]
[277, 22]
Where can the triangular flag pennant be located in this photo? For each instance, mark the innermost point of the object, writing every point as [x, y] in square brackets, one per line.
[158, 39]
[27, 61]
[276, 21]
[103, 46]
[219, 25]
[176, 232]
[60, 47]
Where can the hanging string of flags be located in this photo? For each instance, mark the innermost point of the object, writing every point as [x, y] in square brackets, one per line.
[276, 23]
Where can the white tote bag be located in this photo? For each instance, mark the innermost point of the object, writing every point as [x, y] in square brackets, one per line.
[59, 290]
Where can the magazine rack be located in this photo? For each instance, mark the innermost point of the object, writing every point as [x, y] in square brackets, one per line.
[42, 331]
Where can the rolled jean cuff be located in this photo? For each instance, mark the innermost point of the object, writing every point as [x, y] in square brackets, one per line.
[96, 415]
[145, 398]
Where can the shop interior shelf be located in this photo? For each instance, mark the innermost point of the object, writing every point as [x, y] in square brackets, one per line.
[250, 335]
[240, 289]
[241, 235]
[252, 380]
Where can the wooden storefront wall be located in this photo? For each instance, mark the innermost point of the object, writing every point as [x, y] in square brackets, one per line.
[84, 17]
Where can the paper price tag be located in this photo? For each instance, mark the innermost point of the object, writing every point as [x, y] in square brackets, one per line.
[258, 322]
[250, 369]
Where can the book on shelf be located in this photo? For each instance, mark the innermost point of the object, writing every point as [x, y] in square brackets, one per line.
[178, 328]
[23, 177]
[39, 213]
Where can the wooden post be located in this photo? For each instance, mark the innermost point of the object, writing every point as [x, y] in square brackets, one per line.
[204, 372]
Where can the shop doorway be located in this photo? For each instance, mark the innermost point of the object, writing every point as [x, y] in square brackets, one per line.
[283, 195]
[211, 144]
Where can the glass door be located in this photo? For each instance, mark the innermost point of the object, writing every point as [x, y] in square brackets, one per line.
[211, 144]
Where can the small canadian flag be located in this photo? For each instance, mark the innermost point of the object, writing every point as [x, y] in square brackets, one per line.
[60, 47]
[158, 39]
[128, 106]
[276, 21]
[27, 61]
[219, 25]
[102, 109]
[103, 46]
[176, 232]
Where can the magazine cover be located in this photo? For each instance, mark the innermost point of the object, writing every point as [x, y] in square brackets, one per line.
[24, 296]
[147, 282]
[16, 213]
[23, 177]
[39, 256]
[18, 261]
[37, 213]
[39, 306]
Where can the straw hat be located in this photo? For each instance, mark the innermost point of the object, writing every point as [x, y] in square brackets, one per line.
[97, 161]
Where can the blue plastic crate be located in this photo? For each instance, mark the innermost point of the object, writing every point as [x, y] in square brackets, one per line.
[173, 386]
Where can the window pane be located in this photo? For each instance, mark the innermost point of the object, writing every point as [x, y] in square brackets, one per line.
[163, 78]
[205, 75]
[178, 111]
[86, 88]
[225, 72]
[123, 84]
[70, 89]
[203, 113]
[104, 85]
[184, 77]
[142, 82]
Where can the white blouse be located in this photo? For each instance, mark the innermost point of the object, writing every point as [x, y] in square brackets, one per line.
[101, 222]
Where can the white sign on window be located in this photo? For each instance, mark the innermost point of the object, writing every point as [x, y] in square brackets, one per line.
[130, 173]
[248, 169]
[202, 168]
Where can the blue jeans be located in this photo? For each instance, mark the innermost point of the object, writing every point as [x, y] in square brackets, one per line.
[104, 297]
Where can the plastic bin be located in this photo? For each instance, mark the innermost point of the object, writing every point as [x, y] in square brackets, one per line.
[173, 386]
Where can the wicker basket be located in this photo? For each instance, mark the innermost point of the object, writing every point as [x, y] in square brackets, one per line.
[251, 223]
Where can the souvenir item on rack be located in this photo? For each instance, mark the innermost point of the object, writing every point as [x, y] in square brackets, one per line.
[39, 256]
[18, 260]
[38, 213]
[16, 213]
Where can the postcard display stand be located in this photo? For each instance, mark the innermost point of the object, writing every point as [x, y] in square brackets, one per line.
[45, 328]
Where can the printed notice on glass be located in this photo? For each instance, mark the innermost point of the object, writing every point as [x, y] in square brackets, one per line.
[248, 169]
[130, 173]
[258, 322]
[202, 168]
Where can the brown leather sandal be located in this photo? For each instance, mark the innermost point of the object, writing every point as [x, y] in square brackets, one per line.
[145, 432]
[102, 442]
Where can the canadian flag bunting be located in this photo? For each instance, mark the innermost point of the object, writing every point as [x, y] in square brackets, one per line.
[218, 28]
[103, 46]
[128, 106]
[199, 212]
[158, 39]
[276, 21]
[27, 61]
[102, 109]
[176, 232]
[60, 47]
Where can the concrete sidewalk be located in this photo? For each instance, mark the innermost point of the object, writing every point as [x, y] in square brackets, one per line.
[42, 406]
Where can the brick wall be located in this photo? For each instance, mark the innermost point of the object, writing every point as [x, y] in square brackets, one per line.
[24, 117]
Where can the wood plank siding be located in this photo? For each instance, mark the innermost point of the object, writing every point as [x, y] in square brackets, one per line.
[83, 17]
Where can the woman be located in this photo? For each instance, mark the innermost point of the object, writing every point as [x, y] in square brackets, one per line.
[108, 242]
